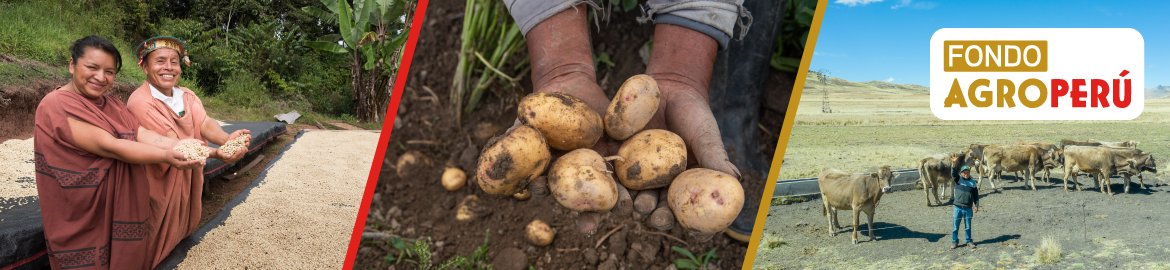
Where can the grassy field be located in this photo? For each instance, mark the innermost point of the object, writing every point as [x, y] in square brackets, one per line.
[877, 123]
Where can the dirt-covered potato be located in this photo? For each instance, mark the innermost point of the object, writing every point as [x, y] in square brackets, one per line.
[454, 179]
[509, 162]
[411, 162]
[651, 159]
[566, 122]
[632, 107]
[540, 234]
[579, 180]
[523, 195]
[705, 201]
[467, 208]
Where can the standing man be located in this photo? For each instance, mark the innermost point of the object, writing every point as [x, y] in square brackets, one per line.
[966, 201]
[163, 107]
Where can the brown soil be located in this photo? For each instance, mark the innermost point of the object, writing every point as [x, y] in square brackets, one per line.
[18, 103]
[418, 207]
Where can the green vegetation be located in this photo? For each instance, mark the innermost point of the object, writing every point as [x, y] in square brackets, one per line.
[490, 37]
[249, 59]
[691, 262]
[790, 44]
[372, 32]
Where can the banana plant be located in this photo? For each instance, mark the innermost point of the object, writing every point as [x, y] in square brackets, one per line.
[371, 34]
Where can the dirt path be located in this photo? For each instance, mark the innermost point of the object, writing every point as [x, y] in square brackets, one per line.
[1093, 229]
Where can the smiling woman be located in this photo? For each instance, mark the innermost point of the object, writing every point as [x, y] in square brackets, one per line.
[160, 105]
[93, 202]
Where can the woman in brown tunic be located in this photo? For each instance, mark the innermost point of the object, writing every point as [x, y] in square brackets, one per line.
[175, 112]
[93, 196]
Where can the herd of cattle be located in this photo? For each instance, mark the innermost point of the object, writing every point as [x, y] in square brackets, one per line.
[861, 192]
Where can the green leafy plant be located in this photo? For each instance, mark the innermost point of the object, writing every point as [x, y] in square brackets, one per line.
[479, 258]
[371, 35]
[691, 262]
[790, 44]
[489, 39]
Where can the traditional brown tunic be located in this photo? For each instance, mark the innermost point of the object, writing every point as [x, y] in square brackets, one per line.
[94, 208]
[175, 205]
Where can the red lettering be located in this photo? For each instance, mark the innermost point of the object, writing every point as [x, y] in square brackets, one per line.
[1117, 93]
[1059, 88]
[1099, 93]
[1077, 94]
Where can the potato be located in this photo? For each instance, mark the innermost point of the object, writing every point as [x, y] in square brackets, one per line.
[467, 208]
[523, 195]
[453, 179]
[651, 159]
[540, 234]
[407, 163]
[632, 107]
[705, 201]
[566, 122]
[579, 180]
[509, 162]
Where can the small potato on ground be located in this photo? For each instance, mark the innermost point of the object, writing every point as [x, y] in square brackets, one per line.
[705, 201]
[407, 163]
[523, 195]
[540, 234]
[454, 179]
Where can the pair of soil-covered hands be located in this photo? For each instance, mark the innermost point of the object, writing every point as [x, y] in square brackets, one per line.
[681, 62]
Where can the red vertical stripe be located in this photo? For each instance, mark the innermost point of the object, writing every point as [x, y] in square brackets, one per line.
[388, 125]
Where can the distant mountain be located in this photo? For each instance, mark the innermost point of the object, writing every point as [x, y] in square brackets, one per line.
[813, 80]
[1162, 91]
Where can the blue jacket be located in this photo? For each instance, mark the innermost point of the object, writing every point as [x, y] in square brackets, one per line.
[966, 190]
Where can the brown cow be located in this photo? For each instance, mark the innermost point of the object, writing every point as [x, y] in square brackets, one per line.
[1131, 144]
[1066, 143]
[973, 158]
[1056, 161]
[1145, 162]
[1100, 162]
[1012, 158]
[935, 172]
[858, 192]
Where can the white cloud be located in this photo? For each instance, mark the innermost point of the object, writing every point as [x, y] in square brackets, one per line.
[853, 3]
[916, 5]
[903, 4]
[891, 79]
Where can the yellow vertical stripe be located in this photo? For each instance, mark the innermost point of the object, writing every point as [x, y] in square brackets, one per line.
[782, 141]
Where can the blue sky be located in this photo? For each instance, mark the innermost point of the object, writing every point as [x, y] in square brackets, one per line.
[867, 40]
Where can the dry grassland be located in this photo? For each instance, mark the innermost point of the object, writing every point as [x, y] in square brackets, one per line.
[872, 126]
